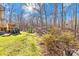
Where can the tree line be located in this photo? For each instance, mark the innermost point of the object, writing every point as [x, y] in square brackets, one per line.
[43, 16]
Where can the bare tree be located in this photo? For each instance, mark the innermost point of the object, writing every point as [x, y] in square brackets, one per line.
[62, 16]
[11, 9]
[45, 12]
[55, 14]
[75, 19]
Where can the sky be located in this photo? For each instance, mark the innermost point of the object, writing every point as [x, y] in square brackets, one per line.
[17, 7]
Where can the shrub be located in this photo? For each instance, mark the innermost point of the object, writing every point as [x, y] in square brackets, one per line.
[54, 31]
[30, 30]
[52, 44]
[62, 44]
[15, 31]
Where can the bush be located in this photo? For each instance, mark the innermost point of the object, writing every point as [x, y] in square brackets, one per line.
[62, 44]
[30, 30]
[15, 31]
[67, 36]
[54, 31]
[52, 44]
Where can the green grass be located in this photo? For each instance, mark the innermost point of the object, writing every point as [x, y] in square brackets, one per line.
[24, 44]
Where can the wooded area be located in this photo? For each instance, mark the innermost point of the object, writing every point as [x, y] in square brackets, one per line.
[57, 24]
[40, 19]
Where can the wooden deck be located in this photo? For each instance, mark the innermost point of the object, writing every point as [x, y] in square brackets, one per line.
[6, 27]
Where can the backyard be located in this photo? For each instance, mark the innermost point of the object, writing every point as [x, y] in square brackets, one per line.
[22, 44]
[39, 29]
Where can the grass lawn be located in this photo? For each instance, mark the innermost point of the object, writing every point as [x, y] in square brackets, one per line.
[24, 44]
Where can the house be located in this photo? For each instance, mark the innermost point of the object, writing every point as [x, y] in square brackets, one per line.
[7, 27]
[1, 18]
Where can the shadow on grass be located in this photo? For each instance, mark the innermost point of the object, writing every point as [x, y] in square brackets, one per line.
[16, 34]
[11, 34]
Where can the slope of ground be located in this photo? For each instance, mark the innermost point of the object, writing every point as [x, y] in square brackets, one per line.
[24, 44]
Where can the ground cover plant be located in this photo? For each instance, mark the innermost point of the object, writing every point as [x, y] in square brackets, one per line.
[24, 44]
